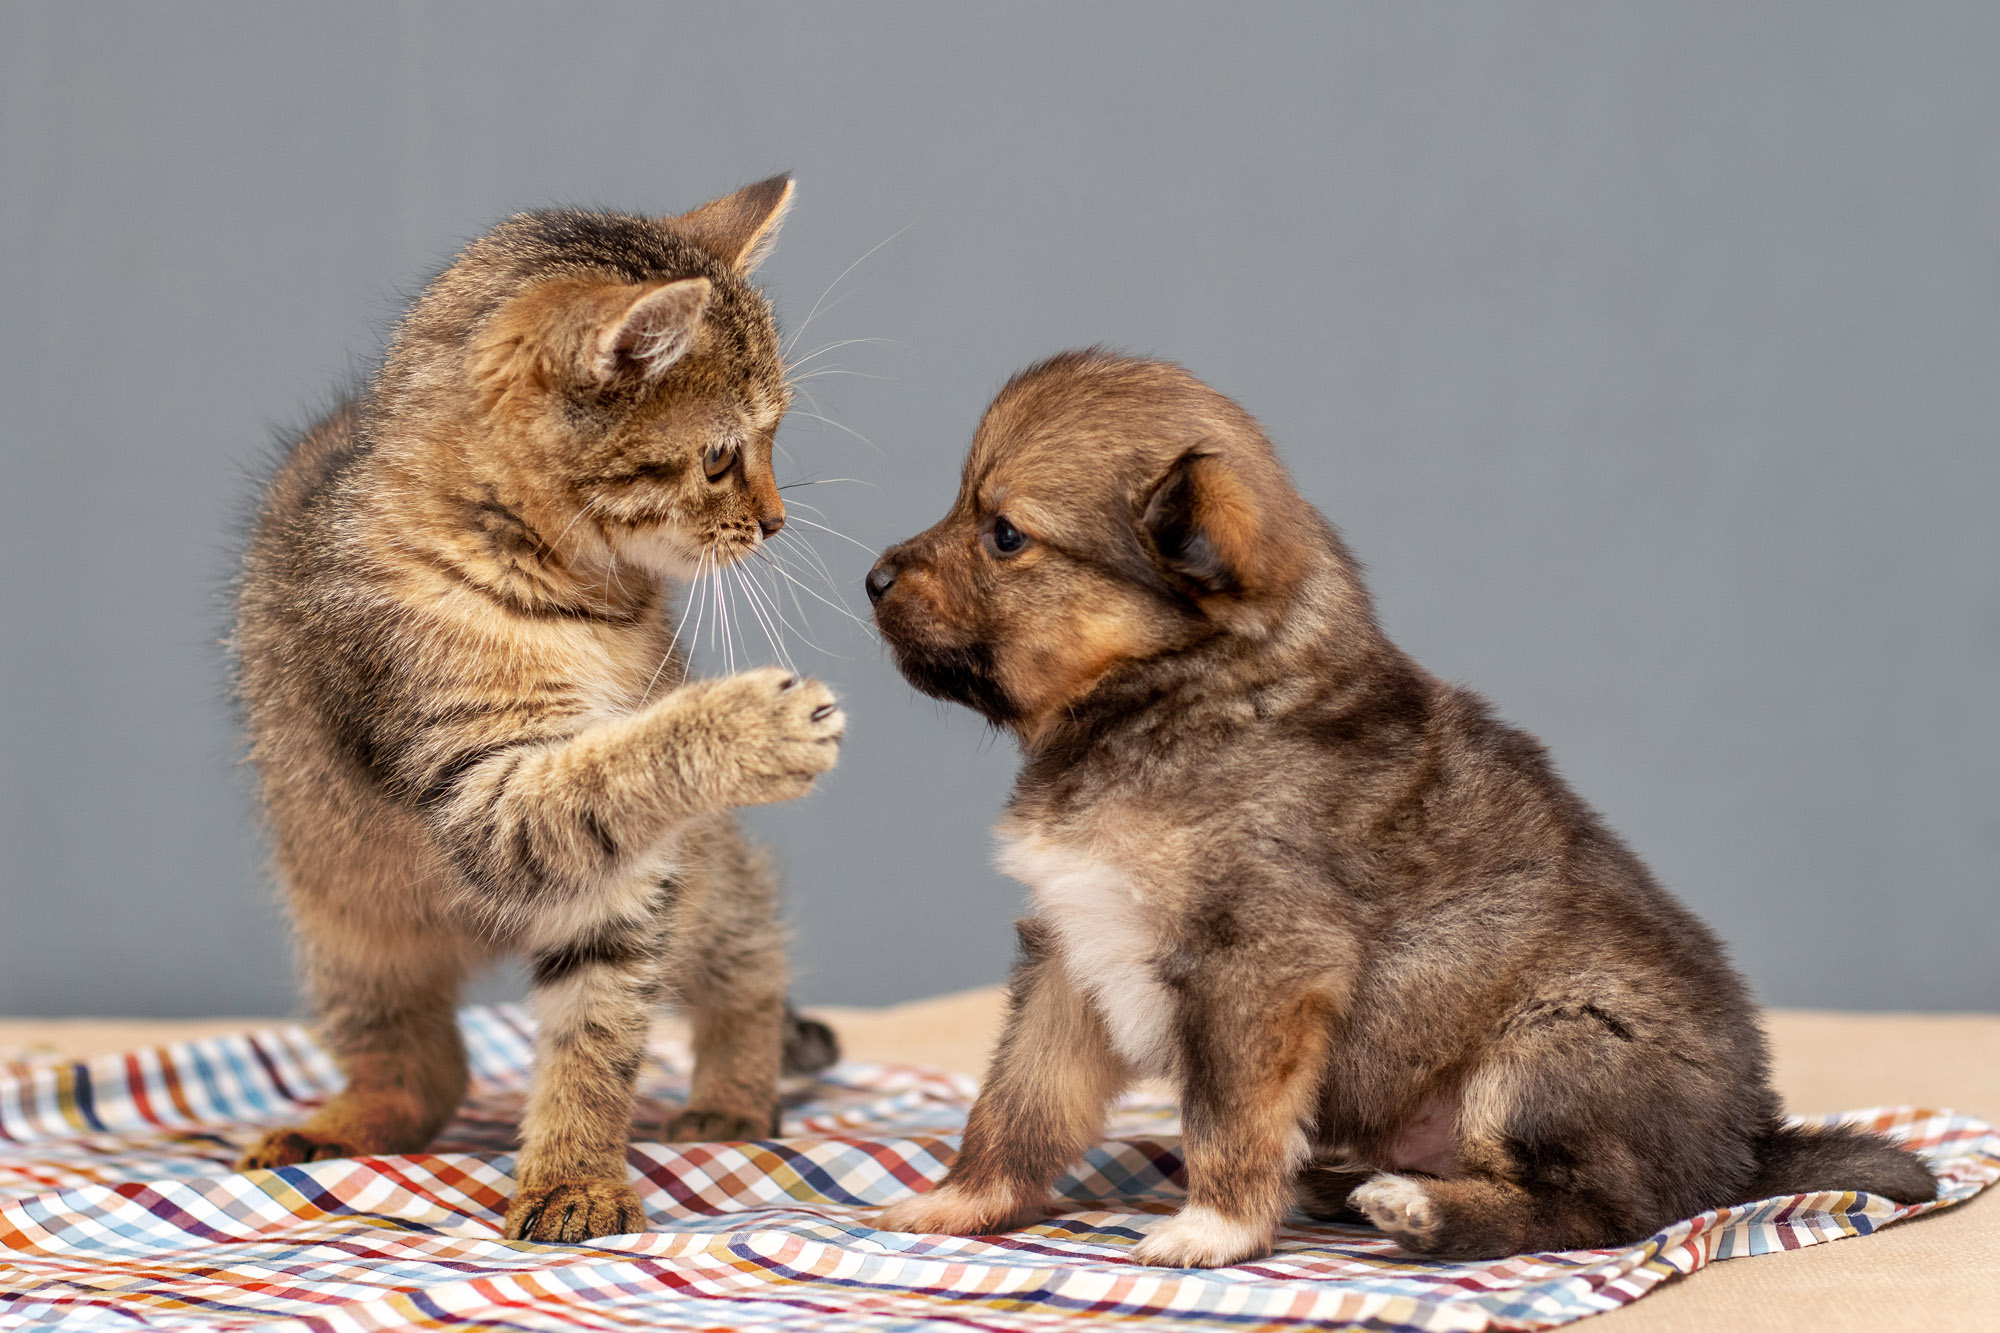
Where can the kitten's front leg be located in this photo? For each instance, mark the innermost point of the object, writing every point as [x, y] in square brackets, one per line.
[1042, 1104]
[591, 999]
[555, 837]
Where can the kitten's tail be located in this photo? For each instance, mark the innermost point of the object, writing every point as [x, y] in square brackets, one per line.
[810, 1045]
[1792, 1159]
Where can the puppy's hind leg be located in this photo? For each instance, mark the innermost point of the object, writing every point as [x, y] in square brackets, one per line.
[1538, 1164]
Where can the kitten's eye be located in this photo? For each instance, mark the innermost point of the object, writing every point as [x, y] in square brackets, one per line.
[718, 460]
[1007, 538]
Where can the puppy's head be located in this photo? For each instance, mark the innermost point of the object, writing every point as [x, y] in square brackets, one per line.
[1111, 510]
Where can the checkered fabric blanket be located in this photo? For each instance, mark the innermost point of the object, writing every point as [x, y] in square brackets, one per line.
[118, 1210]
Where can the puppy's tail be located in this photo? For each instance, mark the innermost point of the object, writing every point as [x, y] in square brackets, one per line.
[1792, 1159]
[810, 1045]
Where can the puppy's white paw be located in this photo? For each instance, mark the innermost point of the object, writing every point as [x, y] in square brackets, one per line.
[1200, 1237]
[1398, 1205]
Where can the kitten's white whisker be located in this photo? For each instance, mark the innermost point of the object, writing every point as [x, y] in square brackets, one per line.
[814, 508]
[797, 333]
[832, 584]
[837, 426]
[813, 593]
[827, 481]
[674, 642]
[796, 380]
[824, 348]
[770, 594]
[763, 621]
[817, 565]
[834, 532]
[722, 614]
[770, 597]
[792, 589]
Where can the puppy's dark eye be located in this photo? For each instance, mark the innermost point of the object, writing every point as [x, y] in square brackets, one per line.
[1007, 538]
[718, 460]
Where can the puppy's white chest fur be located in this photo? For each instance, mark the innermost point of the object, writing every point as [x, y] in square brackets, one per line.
[1108, 929]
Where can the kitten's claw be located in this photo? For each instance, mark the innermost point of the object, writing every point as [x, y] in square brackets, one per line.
[574, 1211]
[771, 733]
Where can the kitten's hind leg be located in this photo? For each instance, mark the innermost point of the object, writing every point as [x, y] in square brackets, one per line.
[386, 1005]
[731, 984]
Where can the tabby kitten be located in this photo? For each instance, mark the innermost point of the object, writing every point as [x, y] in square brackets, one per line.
[474, 732]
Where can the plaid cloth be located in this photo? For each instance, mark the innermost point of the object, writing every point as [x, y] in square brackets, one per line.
[118, 1210]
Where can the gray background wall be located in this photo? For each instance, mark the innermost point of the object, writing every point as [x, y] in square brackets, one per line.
[1650, 354]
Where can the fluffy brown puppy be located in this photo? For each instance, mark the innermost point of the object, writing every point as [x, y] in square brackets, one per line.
[1396, 967]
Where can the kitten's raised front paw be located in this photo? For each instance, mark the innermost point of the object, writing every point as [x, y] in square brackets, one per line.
[712, 1126]
[773, 733]
[1200, 1237]
[951, 1211]
[289, 1147]
[572, 1212]
[1399, 1206]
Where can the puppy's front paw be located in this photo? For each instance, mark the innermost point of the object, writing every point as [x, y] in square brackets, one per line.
[571, 1212]
[770, 733]
[1399, 1206]
[1200, 1237]
[951, 1211]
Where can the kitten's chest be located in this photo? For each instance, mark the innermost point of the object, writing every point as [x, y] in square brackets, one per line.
[1109, 918]
[624, 667]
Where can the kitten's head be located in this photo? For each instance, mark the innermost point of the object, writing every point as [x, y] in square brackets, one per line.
[618, 376]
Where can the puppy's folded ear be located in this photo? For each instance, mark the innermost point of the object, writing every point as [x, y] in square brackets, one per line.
[1213, 538]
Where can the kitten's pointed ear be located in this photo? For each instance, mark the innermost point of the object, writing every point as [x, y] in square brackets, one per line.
[1211, 536]
[740, 229]
[642, 339]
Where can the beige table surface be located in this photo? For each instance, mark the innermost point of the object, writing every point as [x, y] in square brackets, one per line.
[1934, 1273]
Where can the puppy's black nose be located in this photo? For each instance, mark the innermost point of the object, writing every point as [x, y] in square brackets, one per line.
[880, 579]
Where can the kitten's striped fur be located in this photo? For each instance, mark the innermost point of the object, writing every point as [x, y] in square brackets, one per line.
[474, 732]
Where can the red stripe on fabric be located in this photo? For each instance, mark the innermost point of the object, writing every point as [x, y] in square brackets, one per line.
[171, 1076]
[135, 1083]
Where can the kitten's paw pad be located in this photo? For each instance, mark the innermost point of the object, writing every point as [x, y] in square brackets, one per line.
[1198, 1237]
[699, 1126]
[290, 1147]
[1400, 1206]
[948, 1211]
[573, 1212]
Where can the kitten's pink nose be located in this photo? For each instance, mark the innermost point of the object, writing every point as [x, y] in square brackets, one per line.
[770, 523]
